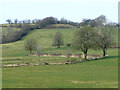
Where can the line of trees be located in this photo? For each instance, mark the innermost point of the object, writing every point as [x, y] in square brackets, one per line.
[26, 27]
[84, 39]
[16, 21]
[101, 20]
[87, 38]
[13, 35]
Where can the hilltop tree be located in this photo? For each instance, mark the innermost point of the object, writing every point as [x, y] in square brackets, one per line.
[83, 39]
[100, 21]
[63, 21]
[104, 39]
[28, 21]
[47, 21]
[16, 21]
[35, 20]
[97, 22]
[58, 40]
[9, 21]
[86, 22]
[30, 45]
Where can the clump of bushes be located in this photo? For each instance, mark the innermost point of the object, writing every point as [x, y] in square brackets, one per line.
[17, 35]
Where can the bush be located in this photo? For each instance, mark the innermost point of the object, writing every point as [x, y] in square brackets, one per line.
[69, 44]
[17, 35]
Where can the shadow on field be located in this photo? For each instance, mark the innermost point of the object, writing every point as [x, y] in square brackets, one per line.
[107, 58]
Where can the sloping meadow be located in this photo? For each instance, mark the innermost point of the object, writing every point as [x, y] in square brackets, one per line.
[98, 73]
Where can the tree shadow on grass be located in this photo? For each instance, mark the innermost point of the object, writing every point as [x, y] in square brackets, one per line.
[107, 58]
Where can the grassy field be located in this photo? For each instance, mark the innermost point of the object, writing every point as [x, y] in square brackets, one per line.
[101, 73]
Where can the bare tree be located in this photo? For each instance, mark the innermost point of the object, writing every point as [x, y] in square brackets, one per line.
[84, 40]
[58, 40]
[39, 52]
[68, 54]
[30, 44]
[104, 39]
[101, 21]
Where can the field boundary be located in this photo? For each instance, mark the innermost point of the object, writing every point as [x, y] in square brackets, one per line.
[46, 63]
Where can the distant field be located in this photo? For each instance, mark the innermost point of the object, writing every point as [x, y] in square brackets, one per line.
[100, 73]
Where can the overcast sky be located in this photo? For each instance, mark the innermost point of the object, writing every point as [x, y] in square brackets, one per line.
[74, 10]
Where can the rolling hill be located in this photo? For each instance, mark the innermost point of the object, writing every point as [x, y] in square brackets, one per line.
[101, 73]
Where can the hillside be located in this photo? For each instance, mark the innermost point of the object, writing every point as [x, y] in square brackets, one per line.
[45, 37]
[99, 73]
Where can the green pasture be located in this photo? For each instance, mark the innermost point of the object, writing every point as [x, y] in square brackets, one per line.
[101, 73]
[45, 37]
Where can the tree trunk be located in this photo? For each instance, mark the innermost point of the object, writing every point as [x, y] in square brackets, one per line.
[30, 52]
[104, 52]
[58, 46]
[39, 61]
[85, 56]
